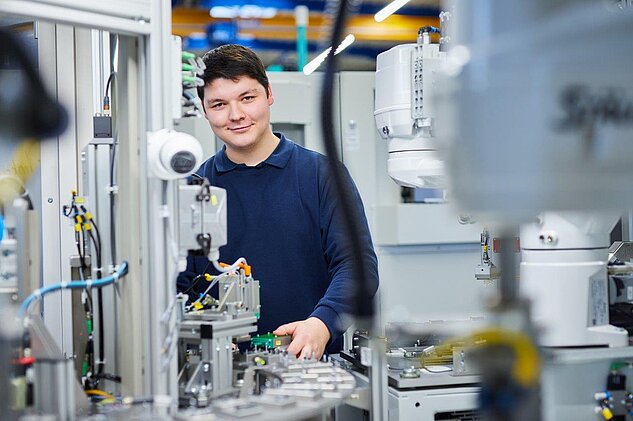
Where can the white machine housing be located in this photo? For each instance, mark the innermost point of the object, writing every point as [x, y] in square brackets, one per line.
[564, 274]
[537, 106]
[404, 112]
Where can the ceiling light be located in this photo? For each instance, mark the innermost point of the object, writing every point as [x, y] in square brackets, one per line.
[316, 62]
[389, 10]
[224, 12]
[247, 11]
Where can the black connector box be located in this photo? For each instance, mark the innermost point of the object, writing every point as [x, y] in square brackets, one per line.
[102, 126]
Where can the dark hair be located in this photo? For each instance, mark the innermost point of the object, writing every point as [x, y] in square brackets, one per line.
[231, 61]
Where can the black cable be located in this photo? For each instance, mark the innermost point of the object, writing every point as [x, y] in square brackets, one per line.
[81, 256]
[111, 78]
[195, 280]
[83, 246]
[113, 253]
[108, 84]
[82, 267]
[89, 306]
[89, 344]
[109, 376]
[101, 335]
[100, 304]
[67, 210]
[97, 252]
[94, 224]
[363, 304]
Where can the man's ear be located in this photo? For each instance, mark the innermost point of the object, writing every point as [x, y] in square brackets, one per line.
[271, 99]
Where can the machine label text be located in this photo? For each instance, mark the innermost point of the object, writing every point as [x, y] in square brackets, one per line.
[584, 107]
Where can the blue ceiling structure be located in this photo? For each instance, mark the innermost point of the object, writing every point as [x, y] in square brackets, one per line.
[225, 31]
[366, 8]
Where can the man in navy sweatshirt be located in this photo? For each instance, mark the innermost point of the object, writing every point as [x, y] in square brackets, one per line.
[283, 215]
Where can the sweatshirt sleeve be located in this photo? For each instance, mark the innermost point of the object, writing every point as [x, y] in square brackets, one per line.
[337, 301]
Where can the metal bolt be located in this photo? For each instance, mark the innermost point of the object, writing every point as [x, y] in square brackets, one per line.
[547, 238]
[50, 200]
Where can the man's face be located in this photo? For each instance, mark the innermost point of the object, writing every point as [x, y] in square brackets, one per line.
[238, 112]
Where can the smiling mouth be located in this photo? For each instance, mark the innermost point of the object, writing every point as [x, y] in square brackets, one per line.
[237, 129]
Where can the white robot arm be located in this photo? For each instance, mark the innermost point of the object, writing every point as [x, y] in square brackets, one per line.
[404, 112]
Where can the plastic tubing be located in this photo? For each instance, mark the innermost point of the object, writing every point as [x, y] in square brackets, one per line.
[97, 283]
[231, 268]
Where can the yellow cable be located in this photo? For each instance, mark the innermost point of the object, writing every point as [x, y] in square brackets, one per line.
[26, 159]
[526, 368]
[23, 163]
[98, 392]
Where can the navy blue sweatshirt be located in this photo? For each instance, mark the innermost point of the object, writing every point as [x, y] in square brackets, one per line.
[283, 218]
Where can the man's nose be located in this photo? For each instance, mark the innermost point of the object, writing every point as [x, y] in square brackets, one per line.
[236, 113]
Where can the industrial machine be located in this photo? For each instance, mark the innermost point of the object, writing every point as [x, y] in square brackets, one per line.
[104, 332]
[512, 168]
[405, 116]
[525, 107]
[529, 143]
[429, 377]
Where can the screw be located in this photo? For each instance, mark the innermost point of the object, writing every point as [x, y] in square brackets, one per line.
[50, 200]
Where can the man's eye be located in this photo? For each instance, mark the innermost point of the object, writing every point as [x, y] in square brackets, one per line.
[248, 98]
[218, 105]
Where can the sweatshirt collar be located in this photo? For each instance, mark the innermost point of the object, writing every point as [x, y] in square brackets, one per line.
[279, 158]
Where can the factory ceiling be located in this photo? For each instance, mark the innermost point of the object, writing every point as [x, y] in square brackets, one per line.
[269, 27]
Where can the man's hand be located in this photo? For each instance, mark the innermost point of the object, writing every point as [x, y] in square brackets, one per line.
[309, 337]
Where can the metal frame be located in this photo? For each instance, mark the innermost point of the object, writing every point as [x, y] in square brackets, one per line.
[149, 288]
[131, 17]
[57, 181]
[216, 357]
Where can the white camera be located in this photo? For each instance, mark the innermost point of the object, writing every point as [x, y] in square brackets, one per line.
[172, 155]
